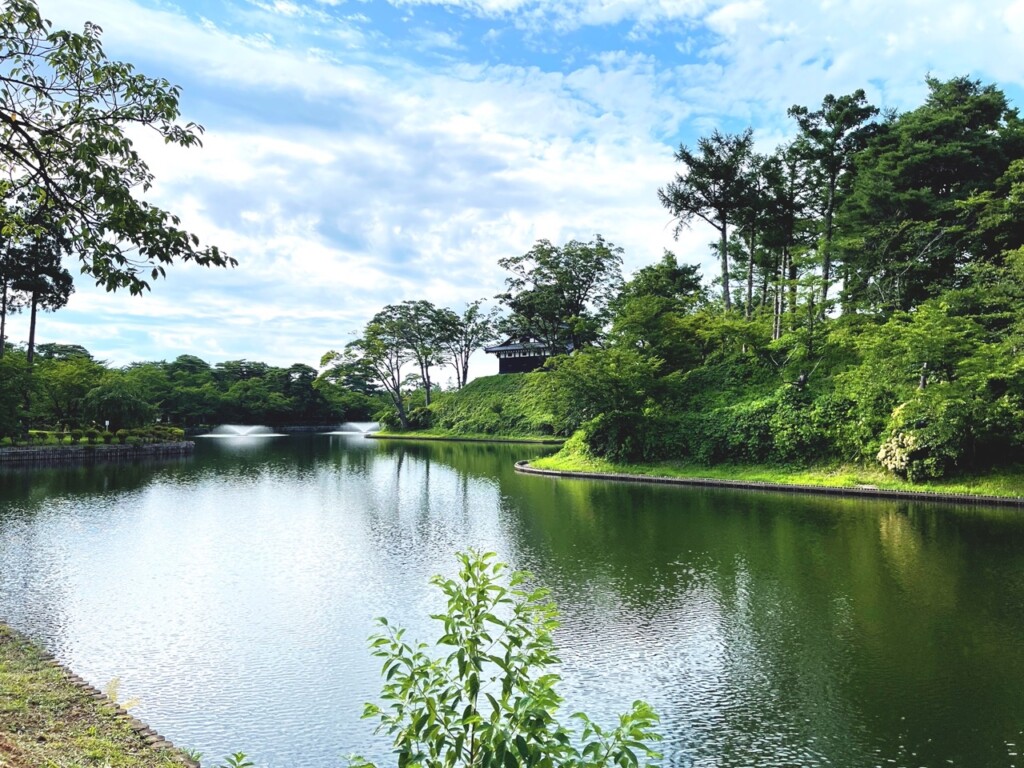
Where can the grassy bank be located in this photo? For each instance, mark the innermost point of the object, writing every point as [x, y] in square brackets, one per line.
[48, 719]
[505, 406]
[1006, 482]
[448, 435]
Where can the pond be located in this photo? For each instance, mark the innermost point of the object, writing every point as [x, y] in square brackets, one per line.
[232, 593]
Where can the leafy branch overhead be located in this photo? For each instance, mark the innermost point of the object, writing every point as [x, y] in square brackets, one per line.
[65, 114]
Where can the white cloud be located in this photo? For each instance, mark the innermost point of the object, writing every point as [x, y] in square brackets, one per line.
[345, 175]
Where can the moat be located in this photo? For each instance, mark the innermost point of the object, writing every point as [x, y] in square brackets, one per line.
[232, 594]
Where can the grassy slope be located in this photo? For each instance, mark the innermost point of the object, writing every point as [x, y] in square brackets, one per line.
[47, 720]
[1003, 482]
[506, 406]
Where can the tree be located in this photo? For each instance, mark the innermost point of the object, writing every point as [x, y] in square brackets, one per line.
[906, 237]
[607, 393]
[63, 385]
[829, 140]
[36, 247]
[65, 110]
[118, 401]
[467, 333]
[11, 301]
[383, 353]
[713, 189]
[653, 312]
[560, 294]
[15, 383]
[425, 331]
[489, 700]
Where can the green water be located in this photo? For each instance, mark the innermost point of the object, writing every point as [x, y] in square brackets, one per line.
[232, 594]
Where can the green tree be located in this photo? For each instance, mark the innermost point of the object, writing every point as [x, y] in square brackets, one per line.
[15, 383]
[713, 187]
[560, 294]
[117, 400]
[829, 139]
[65, 114]
[63, 385]
[611, 394]
[654, 312]
[381, 352]
[192, 395]
[488, 698]
[36, 247]
[905, 240]
[426, 332]
[467, 333]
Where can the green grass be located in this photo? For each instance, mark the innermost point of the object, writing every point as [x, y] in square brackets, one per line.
[449, 435]
[46, 720]
[509, 405]
[1005, 482]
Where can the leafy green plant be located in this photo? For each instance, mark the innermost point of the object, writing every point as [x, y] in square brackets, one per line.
[488, 699]
[76, 436]
[237, 760]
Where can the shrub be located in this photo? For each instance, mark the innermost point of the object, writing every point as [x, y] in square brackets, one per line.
[928, 436]
[121, 435]
[107, 436]
[620, 436]
[76, 435]
[420, 418]
[489, 698]
[91, 435]
[134, 440]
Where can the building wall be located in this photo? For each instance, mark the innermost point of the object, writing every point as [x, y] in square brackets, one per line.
[520, 364]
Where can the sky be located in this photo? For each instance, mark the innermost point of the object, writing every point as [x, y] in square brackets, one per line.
[359, 153]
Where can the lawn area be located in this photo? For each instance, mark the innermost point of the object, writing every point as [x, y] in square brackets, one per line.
[1005, 482]
[47, 719]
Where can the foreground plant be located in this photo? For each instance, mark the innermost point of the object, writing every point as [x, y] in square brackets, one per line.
[489, 698]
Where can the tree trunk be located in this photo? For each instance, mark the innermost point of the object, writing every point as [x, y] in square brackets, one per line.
[32, 331]
[750, 276]
[791, 277]
[3, 318]
[724, 253]
[425, 373]
[826, 254]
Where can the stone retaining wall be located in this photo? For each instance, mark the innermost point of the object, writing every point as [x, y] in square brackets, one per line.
[77, 454]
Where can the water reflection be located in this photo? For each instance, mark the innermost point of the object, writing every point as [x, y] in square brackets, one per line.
[233, 594]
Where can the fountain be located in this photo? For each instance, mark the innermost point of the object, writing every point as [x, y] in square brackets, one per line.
[241, 430]
[356, 428]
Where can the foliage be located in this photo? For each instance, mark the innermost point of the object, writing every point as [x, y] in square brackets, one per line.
[511, 404]
[15, 380]
[929, 435]
[713, 188]
[488, 699]
[560, 294]
[608, 393]
[64, 122]
[465, 334]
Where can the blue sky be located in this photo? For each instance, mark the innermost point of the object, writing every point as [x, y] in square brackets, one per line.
[362, 152]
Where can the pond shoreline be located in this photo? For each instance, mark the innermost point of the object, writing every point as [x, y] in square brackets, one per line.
[60, 706]
[758, 485]
[458, 439]
[72, 454]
